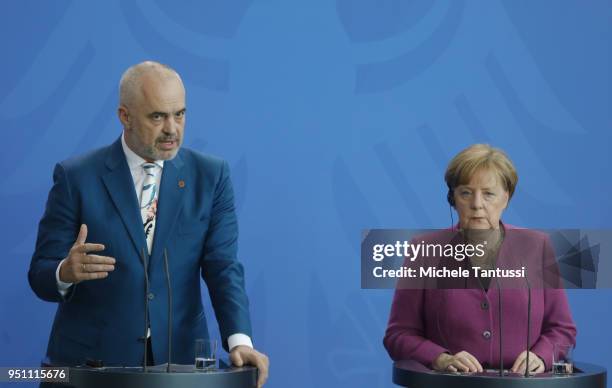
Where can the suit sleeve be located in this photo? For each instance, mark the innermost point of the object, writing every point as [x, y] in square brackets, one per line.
[223, 274]
[57, 231]
[557, 326]
[405, 336]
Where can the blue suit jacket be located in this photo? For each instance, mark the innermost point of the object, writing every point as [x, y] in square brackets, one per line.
[196, 223]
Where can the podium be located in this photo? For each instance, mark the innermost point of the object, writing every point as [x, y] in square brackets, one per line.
[415, 375]
[180, 376]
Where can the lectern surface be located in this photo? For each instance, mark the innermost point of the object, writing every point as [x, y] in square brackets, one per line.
[180, 376]
[415, 375]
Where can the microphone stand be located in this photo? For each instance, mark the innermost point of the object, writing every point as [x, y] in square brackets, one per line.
[528, 324]
[169, 310]
[146, 312]
[501, 353]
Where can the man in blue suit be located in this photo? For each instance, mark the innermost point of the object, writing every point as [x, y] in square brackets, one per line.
[140, 198]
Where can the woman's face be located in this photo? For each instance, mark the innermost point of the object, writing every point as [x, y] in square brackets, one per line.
[480, 203]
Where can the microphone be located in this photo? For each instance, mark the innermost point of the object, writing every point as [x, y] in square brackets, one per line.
[169, 310]
[143, 257]
[501, 352]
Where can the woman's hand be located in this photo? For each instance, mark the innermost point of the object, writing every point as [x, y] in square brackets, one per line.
[536, 364]
[460, 362]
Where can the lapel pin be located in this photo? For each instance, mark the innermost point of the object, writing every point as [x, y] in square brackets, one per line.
[181, 183]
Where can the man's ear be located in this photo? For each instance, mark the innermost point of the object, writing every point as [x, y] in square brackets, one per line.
[124, 116]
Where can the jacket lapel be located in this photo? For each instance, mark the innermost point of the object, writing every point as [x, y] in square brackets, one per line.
[120, 186]
[170, 202]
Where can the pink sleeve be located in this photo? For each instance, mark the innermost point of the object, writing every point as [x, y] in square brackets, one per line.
[405, 334]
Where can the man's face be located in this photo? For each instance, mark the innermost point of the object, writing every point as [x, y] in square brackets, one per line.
[154, 121]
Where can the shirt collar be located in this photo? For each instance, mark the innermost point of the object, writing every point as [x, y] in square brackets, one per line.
[134, 161]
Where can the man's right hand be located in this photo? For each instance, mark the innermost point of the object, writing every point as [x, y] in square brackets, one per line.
[79, 265]
[460, 362]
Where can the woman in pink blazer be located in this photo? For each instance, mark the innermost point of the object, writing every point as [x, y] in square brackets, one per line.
[458, 329]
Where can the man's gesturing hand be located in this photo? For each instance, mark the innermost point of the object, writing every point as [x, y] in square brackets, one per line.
[80, 266]
[244, 355]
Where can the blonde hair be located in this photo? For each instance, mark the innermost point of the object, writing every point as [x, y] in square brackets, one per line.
[480, 157]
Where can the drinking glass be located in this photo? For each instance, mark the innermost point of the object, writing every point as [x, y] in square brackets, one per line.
[563, 360]
[205, 354]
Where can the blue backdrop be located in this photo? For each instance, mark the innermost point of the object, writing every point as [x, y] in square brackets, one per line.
[335, 116]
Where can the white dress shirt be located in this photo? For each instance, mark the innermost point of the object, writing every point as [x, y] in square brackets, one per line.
[135, 163]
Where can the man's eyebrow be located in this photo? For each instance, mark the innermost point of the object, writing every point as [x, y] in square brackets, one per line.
[158, 113]
[165, 114]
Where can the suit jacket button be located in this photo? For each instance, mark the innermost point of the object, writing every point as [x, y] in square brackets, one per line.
[484, 305]
[486, 334]
[150, 296]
